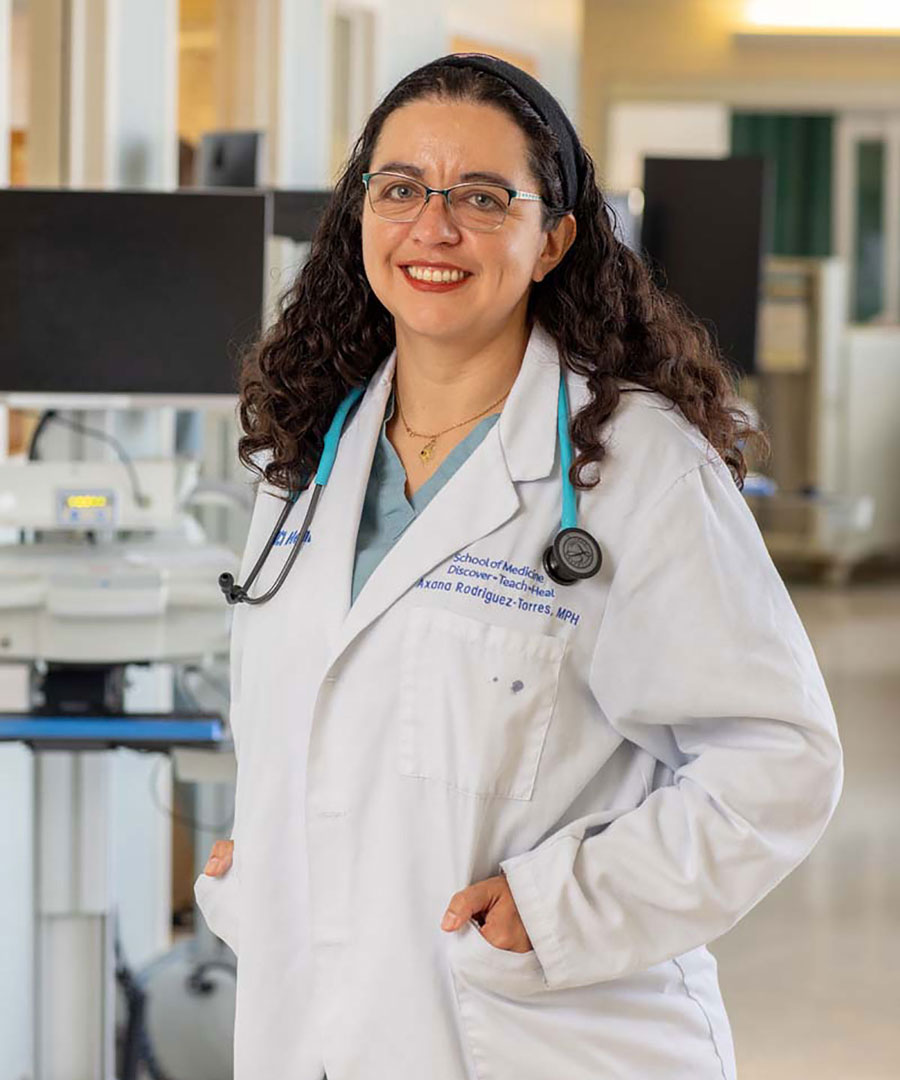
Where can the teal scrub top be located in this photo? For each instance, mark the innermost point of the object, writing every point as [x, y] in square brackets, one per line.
[386, 509]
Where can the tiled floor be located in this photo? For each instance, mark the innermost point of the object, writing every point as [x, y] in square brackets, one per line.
[811, 976]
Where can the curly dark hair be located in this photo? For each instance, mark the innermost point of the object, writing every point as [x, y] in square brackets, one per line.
[610, 321]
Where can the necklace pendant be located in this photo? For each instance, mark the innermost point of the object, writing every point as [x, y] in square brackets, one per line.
[427, 450]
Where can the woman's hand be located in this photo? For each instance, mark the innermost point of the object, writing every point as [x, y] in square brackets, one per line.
[219, 861]
[502, 926]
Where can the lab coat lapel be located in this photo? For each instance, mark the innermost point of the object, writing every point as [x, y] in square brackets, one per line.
[478, 498]
[337, 518]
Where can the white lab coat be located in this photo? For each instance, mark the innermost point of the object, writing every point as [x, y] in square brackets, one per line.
[645, 754]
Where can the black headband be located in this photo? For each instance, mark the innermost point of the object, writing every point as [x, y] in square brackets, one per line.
[570, 155]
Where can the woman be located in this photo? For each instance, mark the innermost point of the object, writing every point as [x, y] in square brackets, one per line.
[486, 822]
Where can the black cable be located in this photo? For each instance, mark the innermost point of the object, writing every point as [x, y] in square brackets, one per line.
[45, 419]
[198, 983]
[183, 819]
[52, 415]
[136, 1049]
[222, 689]
[148, 1058]
[135, 1000]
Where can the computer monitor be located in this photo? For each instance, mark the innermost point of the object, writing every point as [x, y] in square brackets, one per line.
[295, 214]
[230, 159]
[128, 292]
[704, 225]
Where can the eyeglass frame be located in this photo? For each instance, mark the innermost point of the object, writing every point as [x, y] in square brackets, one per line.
[429, 191]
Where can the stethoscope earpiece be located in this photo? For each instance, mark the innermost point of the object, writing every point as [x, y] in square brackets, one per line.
[233, 593]
[573, 555]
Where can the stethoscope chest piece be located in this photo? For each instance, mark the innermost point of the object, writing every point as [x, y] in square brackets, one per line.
[573, 555]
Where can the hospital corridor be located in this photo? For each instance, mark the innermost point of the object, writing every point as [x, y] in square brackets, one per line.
[810, 975]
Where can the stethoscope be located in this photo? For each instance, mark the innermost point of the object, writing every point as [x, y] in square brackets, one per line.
[574, 554]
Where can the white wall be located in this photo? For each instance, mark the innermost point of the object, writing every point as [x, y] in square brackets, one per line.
[551, 32]
[18, 66]
[662, 129]
[5, 87]
[16, 905]
[143, 102]
[303, 146]
[409, 33]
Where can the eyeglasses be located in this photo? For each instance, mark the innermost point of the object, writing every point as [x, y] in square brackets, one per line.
[480, 207]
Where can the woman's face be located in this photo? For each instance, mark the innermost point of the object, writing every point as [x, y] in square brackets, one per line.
[445, 140]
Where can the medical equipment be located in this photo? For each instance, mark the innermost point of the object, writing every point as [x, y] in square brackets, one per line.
[82, 496]
[111, 582]
[106, 580]
[573, 554]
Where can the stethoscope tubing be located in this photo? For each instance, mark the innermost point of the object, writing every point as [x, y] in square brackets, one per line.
[333, 436]
[326, 462]
[289, 562]
[569, 515]
[556, 561]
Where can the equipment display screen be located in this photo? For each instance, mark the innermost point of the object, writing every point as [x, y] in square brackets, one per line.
[85, 509]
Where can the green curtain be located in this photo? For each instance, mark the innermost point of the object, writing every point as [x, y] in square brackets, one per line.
[799, 148]
[869, 254]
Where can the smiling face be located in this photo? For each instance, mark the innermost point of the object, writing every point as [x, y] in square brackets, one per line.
[446, 141]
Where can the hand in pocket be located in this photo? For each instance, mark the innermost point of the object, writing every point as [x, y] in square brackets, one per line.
[502, 925]
[220, 857]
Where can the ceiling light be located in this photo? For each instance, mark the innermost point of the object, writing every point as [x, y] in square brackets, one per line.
[823, 15]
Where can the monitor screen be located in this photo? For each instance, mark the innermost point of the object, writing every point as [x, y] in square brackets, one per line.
[126, 292]
[229, 159]
[703, 229]
[295, 214]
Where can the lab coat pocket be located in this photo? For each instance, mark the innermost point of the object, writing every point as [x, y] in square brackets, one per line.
[217, 898]
[512, 974]
[653, 1024]
[475, 702]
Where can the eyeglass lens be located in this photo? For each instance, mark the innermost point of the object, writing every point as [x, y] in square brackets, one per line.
[473, 206]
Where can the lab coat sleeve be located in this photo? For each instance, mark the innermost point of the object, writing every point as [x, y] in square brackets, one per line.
[702, 660]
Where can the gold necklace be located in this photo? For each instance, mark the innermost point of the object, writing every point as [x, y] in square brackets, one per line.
[428, 449]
